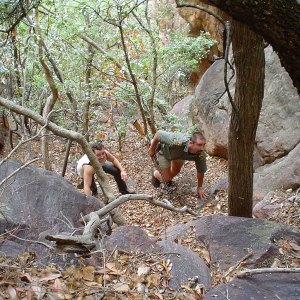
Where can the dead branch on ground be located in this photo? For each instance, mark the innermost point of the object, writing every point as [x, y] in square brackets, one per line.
[246, 273]
[88, 240]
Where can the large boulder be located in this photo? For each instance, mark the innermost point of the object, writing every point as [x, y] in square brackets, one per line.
[35, 203]
[185, 265]
[182, 110]
[210, 110]
[278, 129]
[282, 173]
[278, 132]
[229, 239]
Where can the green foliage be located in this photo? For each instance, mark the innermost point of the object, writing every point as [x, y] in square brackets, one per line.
[62, 25]
[186, 52]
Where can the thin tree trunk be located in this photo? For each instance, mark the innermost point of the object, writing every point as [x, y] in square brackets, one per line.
[248, 52]
[86, 105]
[54, 92]
[133, 79]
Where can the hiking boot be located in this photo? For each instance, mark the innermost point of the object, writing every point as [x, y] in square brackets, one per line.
[154, 181]
[169, 186]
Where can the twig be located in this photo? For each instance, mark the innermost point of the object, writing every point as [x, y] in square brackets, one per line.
[266, 270]
[31, 241]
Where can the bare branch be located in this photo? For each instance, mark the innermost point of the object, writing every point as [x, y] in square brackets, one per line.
[31, 241]
[87, 241]
[246, 273]
[122, 199]
[101, 50]
[18, 170]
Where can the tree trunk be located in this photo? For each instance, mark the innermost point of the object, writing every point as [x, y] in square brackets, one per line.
[248, 52]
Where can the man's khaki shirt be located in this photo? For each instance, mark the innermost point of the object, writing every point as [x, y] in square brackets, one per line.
[174, 146]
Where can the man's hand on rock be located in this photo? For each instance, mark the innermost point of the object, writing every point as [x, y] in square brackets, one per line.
[201, 193]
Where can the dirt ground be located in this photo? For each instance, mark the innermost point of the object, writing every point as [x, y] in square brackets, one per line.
[120, 274]
[138, 165]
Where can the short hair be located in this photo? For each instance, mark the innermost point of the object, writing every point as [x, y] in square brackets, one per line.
[97, 146]
[197, 136]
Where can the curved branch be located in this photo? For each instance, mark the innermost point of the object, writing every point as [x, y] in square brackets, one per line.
[122, 199]
[101, 50]
[87, 241]
[182, 5]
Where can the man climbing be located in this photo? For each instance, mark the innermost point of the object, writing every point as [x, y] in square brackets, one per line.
[110, 165]
[172, 149]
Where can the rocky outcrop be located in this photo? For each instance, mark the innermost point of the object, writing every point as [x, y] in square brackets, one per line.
[228, 240]
[200, 21]
[282, 173]
[185, 263]
[181, 109]
[278, 130]
[37, 202]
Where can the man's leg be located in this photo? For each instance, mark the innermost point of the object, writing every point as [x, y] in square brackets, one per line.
[114, 171]
[176, 166]
[94, 188]
[165, 166]
[166, 172]
[170, 172]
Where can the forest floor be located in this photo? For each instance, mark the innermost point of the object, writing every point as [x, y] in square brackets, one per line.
[54, 282]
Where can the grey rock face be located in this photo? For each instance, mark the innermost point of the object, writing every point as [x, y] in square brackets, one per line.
[131, 238]
[37, 201]
[230, 238]
[185, 264]
[282, 173]
[279, 124]
[266, 286]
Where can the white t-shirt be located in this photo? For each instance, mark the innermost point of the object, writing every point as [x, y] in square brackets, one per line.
[84, 160]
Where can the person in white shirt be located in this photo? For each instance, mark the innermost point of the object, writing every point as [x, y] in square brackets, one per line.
[110, 165]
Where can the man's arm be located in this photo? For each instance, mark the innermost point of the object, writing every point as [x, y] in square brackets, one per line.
[117, 164]
[88, 173]
[201, 193]
[152, 148]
